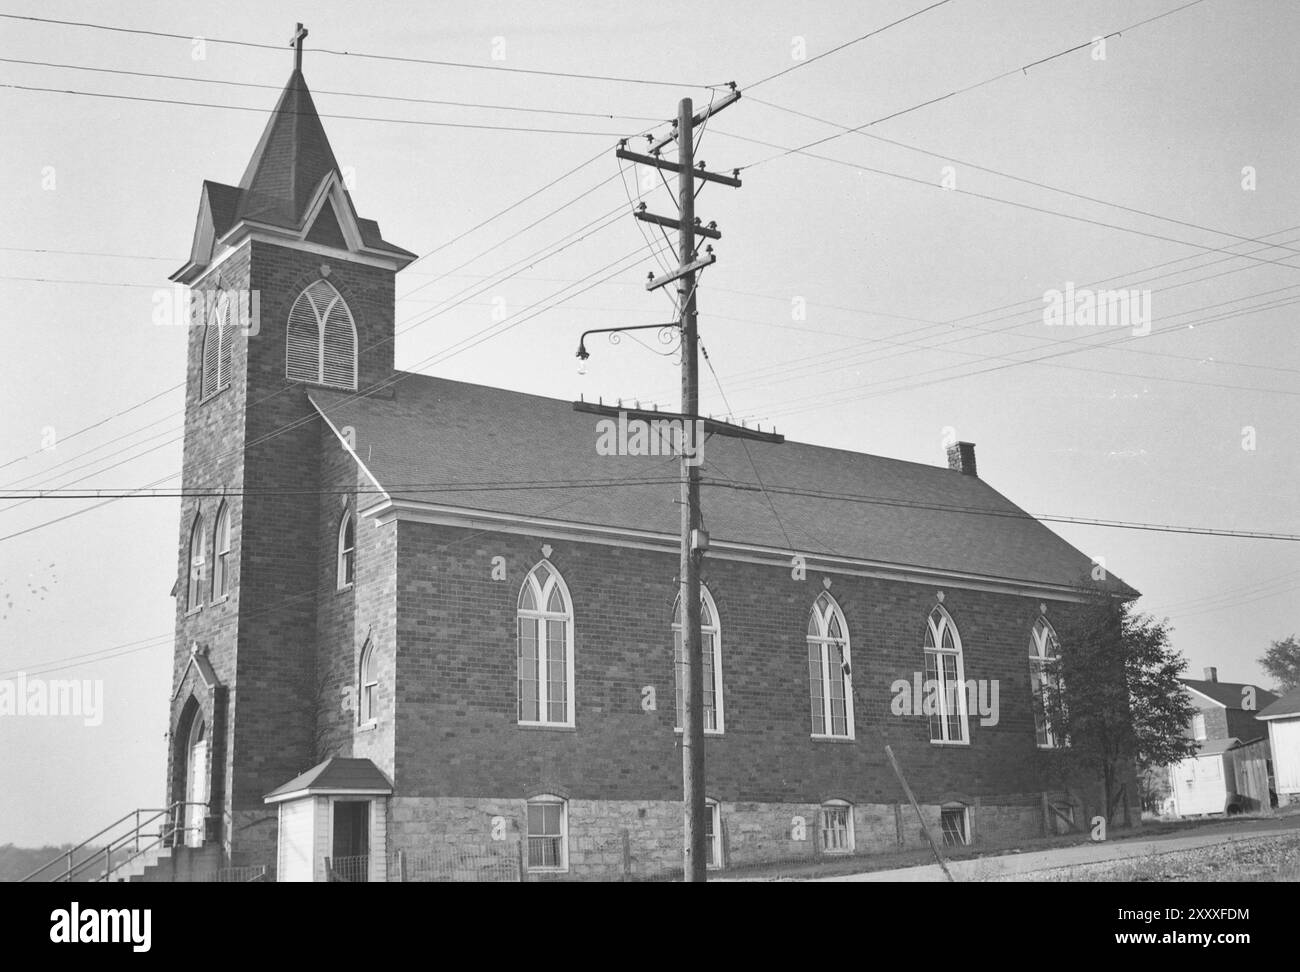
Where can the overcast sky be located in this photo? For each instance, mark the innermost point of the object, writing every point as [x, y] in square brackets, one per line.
[901, 278]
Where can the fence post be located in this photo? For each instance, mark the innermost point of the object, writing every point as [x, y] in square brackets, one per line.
[627, 856]
[329, 874]
[401, 866]
[523, 871]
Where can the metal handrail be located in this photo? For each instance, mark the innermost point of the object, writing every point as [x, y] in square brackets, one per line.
[143, 818]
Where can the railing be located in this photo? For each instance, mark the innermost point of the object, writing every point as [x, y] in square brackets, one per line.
[354, 869]
[121, 849]
[485, 863]
[546, 851]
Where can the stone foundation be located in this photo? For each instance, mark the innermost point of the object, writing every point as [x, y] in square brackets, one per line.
[614, 839]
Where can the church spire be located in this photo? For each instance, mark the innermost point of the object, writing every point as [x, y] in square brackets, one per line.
[292, 157]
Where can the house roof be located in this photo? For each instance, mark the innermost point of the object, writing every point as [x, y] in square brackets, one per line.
[1287, 705]
[335, 775]
[292, 161]
[1230, 695]
[464, 446]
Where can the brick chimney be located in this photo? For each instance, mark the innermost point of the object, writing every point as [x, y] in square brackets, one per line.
[961, 457]
[1211, 674]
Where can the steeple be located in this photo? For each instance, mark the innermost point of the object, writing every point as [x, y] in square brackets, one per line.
[292, 158]
[292, 190]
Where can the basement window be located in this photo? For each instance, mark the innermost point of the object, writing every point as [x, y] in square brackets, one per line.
[955, 823]
[837, 828]
[548, 834]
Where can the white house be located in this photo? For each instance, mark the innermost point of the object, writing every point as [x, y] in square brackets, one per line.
[1283, 719]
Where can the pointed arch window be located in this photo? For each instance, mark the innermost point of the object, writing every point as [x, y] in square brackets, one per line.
[368, 685]
[218, 335]
[221, 554]
[828, 670]
[321, 339]
[1045, 682]
[545, 653]
[945, 675]
[198, 557]
[347, 551]
[710, 652]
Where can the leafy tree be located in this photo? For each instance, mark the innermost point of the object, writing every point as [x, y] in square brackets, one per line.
[1113, 694]
[1282, 662]
[1153, 786]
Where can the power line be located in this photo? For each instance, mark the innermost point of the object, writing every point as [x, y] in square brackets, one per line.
[913, 386]
[267, 111]
[1024, 69]
[780, 373]
[1007, 175]
[341, 94]
[981, 331]
[359, 54]
[840, 47]
[1006, 514]
[802, 151]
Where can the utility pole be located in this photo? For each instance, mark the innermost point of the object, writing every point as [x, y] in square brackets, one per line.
[694, 540]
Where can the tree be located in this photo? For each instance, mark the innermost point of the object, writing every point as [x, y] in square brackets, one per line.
[1115, 698]
[1282, 662]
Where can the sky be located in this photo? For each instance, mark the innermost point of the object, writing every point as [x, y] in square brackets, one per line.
[886, 298]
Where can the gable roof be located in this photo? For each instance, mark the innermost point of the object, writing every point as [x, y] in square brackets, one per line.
[1287, 705]
[335, 775]
[1228, 694]
[291, 164]
[462, 446]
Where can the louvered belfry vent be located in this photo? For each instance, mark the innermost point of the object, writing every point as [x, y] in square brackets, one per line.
[218, 335]
[321, 341]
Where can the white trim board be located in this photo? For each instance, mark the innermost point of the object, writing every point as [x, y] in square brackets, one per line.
[387, 510]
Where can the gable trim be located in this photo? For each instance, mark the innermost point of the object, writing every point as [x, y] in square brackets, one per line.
[387, 510]
[1206, 697]
[348, 448]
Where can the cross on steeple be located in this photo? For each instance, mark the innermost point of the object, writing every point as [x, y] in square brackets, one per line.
[299, 35]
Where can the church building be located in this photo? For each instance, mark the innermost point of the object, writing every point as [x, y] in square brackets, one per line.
[416, 614]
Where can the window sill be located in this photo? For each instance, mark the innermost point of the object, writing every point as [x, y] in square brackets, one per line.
[193, 611]
[220, 600]
[313, 383]
[548, 870]
[553, 726]
[819, 737]
[949, 742]
[368, 726]
[708, 732]
[345, 588]
[211, 396]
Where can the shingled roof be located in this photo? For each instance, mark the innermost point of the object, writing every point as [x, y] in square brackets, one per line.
[1230, 695]
[464, 446]
[293, 160]
[1288, 705]
[334, 775]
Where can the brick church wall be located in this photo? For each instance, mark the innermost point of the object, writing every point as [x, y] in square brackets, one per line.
[460, 752]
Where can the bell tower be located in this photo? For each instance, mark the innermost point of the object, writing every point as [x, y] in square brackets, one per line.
[291, 293]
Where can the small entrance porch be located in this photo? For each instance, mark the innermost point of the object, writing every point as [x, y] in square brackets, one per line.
[332, 823]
